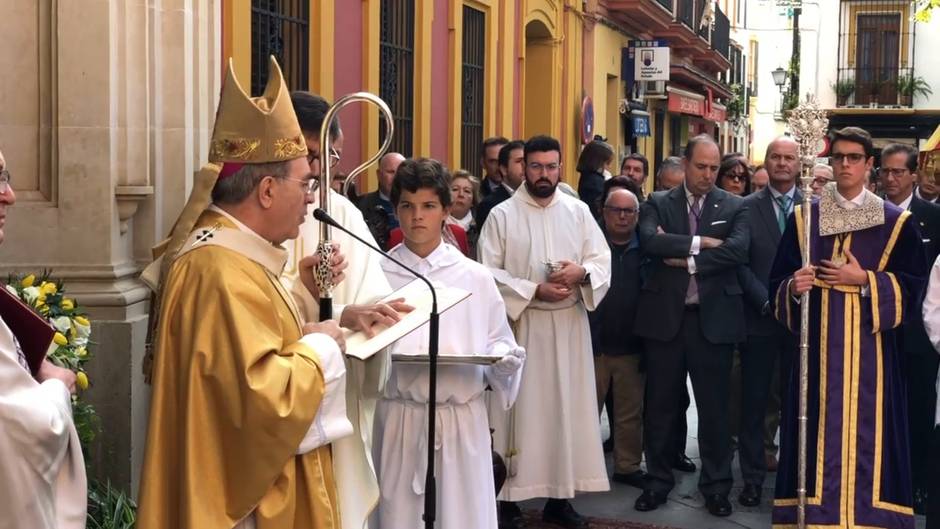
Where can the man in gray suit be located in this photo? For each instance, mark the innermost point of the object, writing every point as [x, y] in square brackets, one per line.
[767, 340]
[696, 238]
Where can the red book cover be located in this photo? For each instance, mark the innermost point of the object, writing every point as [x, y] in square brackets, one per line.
[32, 331]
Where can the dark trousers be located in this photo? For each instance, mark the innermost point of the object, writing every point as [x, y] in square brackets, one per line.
[682, 423]
[933, 485]
[709, 366]
[758, 357]
[922, 400]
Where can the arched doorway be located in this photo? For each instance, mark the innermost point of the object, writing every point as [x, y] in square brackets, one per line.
[540, 91]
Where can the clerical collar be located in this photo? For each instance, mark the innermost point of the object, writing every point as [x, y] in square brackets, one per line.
[838, 214]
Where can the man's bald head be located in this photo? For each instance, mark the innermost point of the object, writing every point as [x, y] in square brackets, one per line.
[388, 164]
[620, 195]
[782, 162]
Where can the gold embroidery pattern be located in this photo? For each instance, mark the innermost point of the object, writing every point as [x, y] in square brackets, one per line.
[289, 148]
[834, 219]
[234, 149]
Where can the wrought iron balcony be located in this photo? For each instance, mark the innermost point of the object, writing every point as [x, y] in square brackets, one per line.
[721, 33]
[666, 4]
[876, 52]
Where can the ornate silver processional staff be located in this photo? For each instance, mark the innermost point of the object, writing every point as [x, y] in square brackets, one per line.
[808, 124]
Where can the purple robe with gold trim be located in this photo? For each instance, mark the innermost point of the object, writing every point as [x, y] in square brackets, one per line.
[858, 460]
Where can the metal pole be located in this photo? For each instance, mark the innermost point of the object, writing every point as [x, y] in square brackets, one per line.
[809, 125]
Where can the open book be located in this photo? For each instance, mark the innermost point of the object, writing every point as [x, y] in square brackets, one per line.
[417, 295]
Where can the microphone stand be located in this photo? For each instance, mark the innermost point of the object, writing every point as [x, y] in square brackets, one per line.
[430, 485]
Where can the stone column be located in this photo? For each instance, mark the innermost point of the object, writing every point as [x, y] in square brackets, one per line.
[103, 130]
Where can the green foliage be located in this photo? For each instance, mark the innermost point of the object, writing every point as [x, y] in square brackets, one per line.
[735, 106]
[909, 85]
[109, 508]
[844, 88]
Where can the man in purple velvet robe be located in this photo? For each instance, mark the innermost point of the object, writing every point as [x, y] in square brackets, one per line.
[865, 278]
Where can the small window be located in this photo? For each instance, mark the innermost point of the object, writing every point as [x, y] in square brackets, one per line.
[396, 71]
[280, 28]
[471, 107]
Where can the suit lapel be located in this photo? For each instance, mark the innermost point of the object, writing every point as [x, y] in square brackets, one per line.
[679, 209]
[765, 208]
[709, 208]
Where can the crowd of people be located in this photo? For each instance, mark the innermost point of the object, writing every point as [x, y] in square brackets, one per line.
[581, 300]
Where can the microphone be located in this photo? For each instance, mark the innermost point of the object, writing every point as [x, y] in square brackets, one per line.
[430, 488]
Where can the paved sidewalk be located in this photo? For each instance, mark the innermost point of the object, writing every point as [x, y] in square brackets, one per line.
[686, 507]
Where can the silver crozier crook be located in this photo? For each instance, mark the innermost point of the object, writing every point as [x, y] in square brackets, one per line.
[808, 124]
[323, 271]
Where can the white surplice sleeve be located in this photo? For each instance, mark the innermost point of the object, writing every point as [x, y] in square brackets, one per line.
[516, 292]
[501, 342]
[596, 262]
[931, 308]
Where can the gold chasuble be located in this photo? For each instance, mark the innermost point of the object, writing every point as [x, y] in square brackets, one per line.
[234, 389]
[234, 393]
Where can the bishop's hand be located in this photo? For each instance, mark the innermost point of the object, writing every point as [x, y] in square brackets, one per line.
[364, 317]
[329, 328]
[307, 267]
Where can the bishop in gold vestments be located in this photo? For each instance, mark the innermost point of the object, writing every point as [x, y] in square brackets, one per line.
[244, 403]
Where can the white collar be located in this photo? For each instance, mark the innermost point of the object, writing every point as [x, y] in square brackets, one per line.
[444, 255]
[917, 192]
[463, 222]
[250, 244]
[238, 224]
[777, 194]
[906, 203]
[846, 203]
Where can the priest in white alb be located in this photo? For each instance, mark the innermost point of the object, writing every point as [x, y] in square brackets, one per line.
[477, 326]
[552, 264]
[354, 305]
[42, 473]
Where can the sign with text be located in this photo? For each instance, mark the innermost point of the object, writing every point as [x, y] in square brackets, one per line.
[650, 60]
[686, 105]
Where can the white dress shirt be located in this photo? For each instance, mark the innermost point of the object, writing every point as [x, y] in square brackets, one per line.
[931, 313]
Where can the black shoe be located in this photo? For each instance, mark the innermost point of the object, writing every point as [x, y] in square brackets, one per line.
[560, 512]
[920, 501]
[750, 496]
[649, 501]
[634, 479]
[718, 504]
[684, 464]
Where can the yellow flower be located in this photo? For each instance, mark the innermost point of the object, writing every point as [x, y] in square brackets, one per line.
[67, 304]
[28, 281]
[82, 380]
[44, 310]
[48, 288]
[60, 339]
[81, 320]
[81, 352]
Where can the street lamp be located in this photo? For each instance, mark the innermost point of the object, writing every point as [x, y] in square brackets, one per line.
[780, 79]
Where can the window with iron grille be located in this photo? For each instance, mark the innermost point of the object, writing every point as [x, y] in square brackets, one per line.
[280, 28]
[396, 71]
[471, 107]
[875, 51]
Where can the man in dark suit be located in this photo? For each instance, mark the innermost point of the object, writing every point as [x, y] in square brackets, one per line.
[898, 175]
[512, 171]
[767, 339]
[376, 206]
[491, 175]
[696, 237]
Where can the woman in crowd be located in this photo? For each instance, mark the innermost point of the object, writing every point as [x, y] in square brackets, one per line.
[734, 176]
[595, 157]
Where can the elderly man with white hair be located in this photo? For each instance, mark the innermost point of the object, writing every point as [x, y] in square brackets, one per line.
[822, 175]
[42, 477]
[617, 351]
